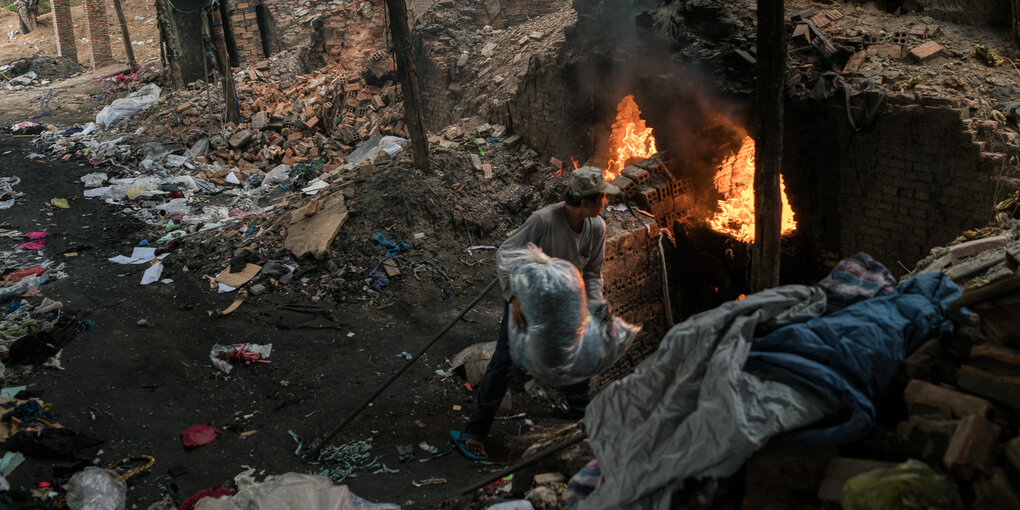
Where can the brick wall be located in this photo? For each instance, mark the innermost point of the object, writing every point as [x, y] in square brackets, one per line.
[98, 32]
[914, 181]
[63, 26]
[632, 280]
[244, 25]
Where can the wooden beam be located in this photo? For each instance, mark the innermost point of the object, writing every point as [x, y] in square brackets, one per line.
[768, 145]
[409, 83]
[124, 34]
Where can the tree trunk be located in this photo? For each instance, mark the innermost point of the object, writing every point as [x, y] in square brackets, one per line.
[229, 98]
[124, 33]
[409, 83]
[768, 144]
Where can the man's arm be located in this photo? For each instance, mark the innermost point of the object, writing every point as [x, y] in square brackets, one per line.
[592, 273]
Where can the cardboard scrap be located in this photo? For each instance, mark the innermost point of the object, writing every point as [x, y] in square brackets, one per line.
[312, 235]
[240, 278]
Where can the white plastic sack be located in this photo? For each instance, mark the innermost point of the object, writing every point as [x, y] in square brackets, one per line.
[277, 175]
[96, 488]
[567, 340]
[293, 491]
[127, 107]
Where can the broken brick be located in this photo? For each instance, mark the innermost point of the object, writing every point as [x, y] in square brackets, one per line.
[486, 172]
[556, 162]
[972, 446]
[476, 162]
[927, 51]
[927, 398]
[310, 123]
[853, 64]
[820, 20]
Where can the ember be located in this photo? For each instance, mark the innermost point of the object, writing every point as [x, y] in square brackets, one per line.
[630, 140]
[735, 180]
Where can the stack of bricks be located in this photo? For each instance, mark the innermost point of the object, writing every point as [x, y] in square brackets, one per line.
[99, 33]
[244, 25]
[63, 25]
[632, 286]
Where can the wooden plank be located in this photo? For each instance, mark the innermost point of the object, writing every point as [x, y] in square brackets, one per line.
[312, 235]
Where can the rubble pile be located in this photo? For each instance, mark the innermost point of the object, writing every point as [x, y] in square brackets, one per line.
[907, 53]
[486, 64]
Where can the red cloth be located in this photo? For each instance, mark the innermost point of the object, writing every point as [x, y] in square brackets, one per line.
[20, 274]
[198, 435]
[212, 492]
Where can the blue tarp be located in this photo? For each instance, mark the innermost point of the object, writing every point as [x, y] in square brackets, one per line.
[853, 355]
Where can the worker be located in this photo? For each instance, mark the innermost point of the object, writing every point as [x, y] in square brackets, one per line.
[571, 230]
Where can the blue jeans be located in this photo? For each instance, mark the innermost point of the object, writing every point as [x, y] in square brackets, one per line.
[490, 392]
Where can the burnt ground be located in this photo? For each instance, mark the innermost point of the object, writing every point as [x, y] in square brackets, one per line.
[138, 387]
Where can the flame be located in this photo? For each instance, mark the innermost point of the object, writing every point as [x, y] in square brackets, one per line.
[735, 180]
[574, 161]
[630, 138]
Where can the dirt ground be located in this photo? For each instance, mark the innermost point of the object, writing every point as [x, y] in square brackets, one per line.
[42, 41]
[138, 387]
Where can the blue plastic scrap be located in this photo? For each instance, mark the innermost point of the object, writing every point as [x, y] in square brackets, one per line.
[395, 247]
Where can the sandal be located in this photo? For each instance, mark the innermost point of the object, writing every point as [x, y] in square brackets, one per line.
[461, 440]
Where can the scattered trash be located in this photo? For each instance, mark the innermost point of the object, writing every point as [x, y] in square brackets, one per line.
[428, 481]
[912, 481]
[223, 356]
[142, 323]
[10, 462]
[96, 488]
[7, 193]
[139, 255]
[60, 203]
[988, 56]
[199, 435]
[153, 272]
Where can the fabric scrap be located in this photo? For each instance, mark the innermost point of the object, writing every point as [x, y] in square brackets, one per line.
[199, 435]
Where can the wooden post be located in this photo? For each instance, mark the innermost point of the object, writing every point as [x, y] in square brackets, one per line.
[124, 33]
[768, 208]
[1014, 8]
[229, 99]
[409, 83]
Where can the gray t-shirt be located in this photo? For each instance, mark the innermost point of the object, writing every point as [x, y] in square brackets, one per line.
[548, 229]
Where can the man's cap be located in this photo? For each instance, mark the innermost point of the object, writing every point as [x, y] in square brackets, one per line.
[589, 180]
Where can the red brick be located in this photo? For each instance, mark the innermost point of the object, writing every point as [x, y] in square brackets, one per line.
[894, 51]
[927, 50]
[972, 446]
[820, 20]
[927, 398]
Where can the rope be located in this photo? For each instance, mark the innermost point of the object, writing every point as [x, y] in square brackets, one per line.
[344, 460]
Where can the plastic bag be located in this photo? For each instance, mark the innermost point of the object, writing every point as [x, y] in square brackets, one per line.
[94, 180]
[568, 339]
[127, 107]
[279, 174]
[912, 484]
[96, 488]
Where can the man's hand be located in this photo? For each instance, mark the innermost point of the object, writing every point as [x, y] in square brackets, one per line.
[518, 314]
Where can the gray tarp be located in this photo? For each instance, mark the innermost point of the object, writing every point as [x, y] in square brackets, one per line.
[689, 410]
